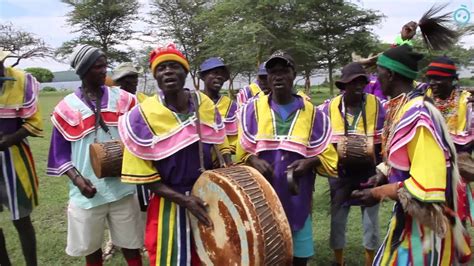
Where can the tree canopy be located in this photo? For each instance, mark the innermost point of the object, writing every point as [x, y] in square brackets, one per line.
[245, 32]
[462, 56]
[178, 21]
[41, 74]
[104, 24]
[22, 44]
[320, 35]
[338, 28]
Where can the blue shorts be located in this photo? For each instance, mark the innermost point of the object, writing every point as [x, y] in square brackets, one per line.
[303, 246]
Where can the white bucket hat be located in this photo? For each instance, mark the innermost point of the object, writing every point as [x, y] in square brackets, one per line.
[125, 69]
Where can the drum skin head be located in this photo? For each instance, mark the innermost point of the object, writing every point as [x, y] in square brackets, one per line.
[249, 223]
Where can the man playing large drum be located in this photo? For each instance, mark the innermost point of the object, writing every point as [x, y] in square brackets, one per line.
[162, 151]
[88, 115]
[281, 132]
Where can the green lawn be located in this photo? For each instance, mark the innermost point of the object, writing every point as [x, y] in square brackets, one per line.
[50, 217]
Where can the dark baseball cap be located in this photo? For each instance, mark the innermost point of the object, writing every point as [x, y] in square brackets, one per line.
[280, 55]
[349, 73]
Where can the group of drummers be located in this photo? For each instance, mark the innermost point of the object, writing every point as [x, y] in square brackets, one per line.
[412, 143]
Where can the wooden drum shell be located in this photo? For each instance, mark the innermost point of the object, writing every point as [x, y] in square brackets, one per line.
[249, 224]
[353, 149]
[106, 158]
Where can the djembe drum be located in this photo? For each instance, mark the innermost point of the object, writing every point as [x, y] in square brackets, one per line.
[106, 158]
[249, 223]
[354, 149]
[355, 155]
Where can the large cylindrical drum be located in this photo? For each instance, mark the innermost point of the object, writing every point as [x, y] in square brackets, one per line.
[106, 158]
[249, 224]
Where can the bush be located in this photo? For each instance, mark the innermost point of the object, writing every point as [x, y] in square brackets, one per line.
[48, 88]
[41, 74]
[466, 82]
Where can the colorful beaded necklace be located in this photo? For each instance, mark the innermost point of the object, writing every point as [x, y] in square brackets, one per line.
[393, 108]
[449, 108]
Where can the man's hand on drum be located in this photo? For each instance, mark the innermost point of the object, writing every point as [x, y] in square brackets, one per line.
[376, 180]
[261, 165]
[198, 208]
[85, 186]
[303, 166]
[227, 159]
[192, 203]
[365, 196]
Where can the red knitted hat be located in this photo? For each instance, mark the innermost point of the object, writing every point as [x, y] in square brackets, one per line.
[167, 53]
[442, 66]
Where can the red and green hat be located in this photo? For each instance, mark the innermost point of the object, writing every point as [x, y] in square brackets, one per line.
[442, 66]
[167, 53]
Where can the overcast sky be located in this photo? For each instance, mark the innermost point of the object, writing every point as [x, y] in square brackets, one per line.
[47, 19]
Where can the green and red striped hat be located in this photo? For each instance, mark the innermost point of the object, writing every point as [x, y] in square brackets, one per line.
[442, 66]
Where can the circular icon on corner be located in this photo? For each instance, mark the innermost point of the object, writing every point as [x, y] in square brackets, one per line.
[462, 15]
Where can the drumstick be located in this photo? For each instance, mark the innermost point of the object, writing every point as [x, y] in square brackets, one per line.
[220, 158]
[292, 182]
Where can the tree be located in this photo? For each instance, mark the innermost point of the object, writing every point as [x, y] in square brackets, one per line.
[41, 74]
[339, 28]
[306, 54]
[246, 32]
[22, 44]
[462, 56]
[177, 20]
[104, 24]
[318, 34]
[141, 57]
[237, 44]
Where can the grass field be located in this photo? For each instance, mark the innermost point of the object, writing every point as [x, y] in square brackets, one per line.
[50, 217]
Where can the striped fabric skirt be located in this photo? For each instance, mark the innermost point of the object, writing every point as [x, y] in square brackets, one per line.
[18, 180]
[465, 202]
[168, 238]
[410, 243]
